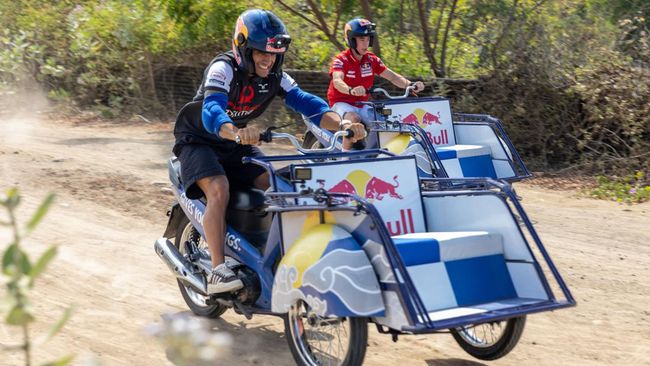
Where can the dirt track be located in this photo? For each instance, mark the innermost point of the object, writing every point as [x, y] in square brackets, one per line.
[109, 178]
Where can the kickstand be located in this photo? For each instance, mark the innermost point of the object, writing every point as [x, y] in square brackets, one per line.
[239, 306]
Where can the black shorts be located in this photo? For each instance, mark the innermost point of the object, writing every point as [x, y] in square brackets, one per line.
[200, 161]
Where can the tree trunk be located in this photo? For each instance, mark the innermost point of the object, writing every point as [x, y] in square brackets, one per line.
[365, 6]
[423, 16]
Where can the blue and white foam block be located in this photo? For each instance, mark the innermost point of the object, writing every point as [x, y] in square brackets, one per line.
[464, 273]
[467, 161]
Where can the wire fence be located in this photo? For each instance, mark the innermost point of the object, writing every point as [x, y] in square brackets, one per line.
[177, 85]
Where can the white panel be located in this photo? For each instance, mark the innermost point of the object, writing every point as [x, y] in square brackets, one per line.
[503, 169]
[480, 135]
[477, 213]
[505, 304]
[432, 284]
[465, 151]
[453, 313]
[462, 244]
[452, 167]
[526, 281]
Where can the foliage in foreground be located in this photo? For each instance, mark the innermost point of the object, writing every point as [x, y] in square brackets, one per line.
[19, 274]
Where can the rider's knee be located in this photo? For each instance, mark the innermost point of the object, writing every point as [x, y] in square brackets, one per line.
[218, 191]
[352, 116]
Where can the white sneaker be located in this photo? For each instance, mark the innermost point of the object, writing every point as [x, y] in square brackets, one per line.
[223, 279]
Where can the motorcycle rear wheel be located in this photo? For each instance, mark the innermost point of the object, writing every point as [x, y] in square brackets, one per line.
[194, 300]
[490, 341]
[315, 340]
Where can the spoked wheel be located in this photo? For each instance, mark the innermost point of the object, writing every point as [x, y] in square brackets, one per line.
[490, 341]
[311, 142]
[194, 300]
[315, 340]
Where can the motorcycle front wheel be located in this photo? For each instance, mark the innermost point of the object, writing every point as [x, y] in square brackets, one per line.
[310, 141]
[490, 341]
[194, 300]
[316, 340]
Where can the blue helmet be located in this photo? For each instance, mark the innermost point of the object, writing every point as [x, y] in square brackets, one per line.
[358, 27]
[260, 30]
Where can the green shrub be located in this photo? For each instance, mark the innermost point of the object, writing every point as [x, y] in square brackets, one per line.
[632, 188]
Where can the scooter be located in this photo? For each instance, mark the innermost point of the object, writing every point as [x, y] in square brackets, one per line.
[341, 240]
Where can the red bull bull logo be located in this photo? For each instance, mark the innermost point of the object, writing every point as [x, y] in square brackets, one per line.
[365, 185]
[422, 118]
[425, 119]
[362, 184]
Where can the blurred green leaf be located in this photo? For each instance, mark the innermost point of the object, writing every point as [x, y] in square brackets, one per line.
[8, 259]
[40, 212]
[60, 362]
[42, 263]
[18, 315]
[56, 327]
[13, 198]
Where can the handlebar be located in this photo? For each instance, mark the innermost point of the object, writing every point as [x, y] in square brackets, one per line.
[407, 91]
[269, 135]
[297, 145]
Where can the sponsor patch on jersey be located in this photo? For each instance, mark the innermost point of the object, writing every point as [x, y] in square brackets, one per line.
[263, 88]
[351, 74]
[337, 64]
[216, 81]
[366, 70]
[218, 75]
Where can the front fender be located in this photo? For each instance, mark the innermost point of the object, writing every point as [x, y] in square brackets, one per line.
[326, 268]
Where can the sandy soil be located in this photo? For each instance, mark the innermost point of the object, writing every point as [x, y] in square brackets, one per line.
[110, 180]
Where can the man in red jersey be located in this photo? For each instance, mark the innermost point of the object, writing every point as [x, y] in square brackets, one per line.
[353, 72]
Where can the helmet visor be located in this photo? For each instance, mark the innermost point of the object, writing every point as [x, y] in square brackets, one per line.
[278, 43]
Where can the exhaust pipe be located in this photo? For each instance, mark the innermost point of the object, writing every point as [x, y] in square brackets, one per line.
[179, 266]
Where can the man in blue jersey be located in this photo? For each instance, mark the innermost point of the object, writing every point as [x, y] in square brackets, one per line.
[237, 87]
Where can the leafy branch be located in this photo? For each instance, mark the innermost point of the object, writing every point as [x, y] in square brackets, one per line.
[19, 274]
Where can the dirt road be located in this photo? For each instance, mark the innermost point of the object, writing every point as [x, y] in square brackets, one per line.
[111, 204]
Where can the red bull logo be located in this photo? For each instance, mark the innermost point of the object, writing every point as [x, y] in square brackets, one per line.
[365, 185]
[425, 119]
[422, 118]
[362, 184]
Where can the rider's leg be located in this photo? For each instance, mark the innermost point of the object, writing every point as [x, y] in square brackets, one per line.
[216, 191]
[262, 181]
[353, 117]
[349, 112]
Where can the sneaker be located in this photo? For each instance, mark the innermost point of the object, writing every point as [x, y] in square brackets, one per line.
[223, 279]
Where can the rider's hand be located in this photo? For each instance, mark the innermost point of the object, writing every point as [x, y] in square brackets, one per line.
[419, 86]
[249, 135]
[358, 129]
[358, 91]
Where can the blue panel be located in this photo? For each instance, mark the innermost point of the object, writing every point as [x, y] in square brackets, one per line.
[347, 243]
[477, 166]
[444, 154]
[480, 280]
[418, 251]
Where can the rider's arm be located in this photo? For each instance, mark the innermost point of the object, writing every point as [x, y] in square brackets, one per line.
[339, 83]
[400, 81]
[312, 106]
[217, 85]
[395, 78]
[215, 119]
